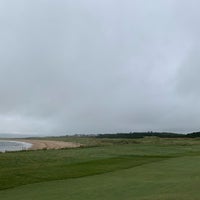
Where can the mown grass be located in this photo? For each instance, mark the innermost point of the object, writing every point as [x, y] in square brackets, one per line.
[21, 168]
[170, 179]
[148, 169]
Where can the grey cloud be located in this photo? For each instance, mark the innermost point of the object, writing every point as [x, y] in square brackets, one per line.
[90, 67]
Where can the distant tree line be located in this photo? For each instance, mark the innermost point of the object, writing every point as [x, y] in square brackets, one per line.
[135, 135]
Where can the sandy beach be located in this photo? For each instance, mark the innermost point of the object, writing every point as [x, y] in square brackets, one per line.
[49, 144]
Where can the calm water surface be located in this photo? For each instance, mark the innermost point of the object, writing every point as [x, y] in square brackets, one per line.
[13, 146]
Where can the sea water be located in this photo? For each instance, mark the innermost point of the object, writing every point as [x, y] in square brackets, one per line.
[13, 146]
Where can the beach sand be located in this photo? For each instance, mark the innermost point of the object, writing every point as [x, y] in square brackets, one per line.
[49, 144]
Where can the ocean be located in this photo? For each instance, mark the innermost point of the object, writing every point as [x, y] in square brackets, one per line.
[13, 145]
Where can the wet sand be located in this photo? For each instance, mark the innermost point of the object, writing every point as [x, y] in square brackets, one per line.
[49, 144]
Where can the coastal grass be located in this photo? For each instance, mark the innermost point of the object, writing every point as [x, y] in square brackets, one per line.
[116, 169]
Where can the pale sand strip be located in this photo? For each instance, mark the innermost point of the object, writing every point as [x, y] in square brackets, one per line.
[48, 144]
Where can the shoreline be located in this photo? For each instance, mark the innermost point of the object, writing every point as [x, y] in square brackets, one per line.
[48, 144]
[13, 145]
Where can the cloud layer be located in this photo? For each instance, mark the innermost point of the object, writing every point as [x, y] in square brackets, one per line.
[95, 67]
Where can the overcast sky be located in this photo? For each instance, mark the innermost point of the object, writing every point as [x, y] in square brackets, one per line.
[85, 66]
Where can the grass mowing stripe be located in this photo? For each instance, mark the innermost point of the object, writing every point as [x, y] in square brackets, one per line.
[23, 175]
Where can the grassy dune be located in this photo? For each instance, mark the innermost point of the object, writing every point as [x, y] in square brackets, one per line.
[147, 170]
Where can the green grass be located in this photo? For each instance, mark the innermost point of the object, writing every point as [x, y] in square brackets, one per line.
[148, 169]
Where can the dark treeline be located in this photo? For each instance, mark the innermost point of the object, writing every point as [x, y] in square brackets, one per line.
[193, 135]
[135, 135]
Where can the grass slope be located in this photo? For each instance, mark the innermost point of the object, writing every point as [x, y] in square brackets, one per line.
[147, 170]
[173, 179]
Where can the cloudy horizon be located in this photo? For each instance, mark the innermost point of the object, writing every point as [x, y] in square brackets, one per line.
[99, 67]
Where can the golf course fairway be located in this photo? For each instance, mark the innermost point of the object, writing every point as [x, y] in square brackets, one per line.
[141, 172]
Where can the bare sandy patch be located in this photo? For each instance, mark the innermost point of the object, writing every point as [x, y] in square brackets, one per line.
[48, 144]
